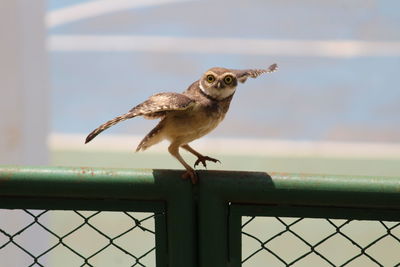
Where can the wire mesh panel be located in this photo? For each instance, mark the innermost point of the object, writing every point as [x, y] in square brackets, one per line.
[77, 238]
[288, 241]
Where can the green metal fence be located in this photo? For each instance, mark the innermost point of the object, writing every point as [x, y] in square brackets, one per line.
[152, 217]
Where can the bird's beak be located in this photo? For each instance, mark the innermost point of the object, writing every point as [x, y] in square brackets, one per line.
[219, 85]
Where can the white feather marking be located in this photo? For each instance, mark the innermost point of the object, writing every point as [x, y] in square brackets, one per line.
[202, 88]
[217, 93]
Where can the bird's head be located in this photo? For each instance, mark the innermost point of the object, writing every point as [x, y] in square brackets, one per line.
[220, 83]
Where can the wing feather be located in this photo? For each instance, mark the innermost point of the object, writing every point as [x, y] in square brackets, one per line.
[154, 107]
[162, 102]
[242, 75]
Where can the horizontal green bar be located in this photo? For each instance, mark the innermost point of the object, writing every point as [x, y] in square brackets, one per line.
[83, 182]
[228, 186]
[239, 210]
[81, 204]
[302, 189]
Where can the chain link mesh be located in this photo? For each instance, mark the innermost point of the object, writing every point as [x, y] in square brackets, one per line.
[282, 241]
[77, 238]
[100, 238]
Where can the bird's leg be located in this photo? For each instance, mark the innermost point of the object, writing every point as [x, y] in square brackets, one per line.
[200, 157]
[190, 173]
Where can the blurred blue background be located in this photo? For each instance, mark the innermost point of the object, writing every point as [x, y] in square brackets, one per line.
[338, 78]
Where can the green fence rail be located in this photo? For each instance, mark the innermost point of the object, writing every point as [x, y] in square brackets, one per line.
[208, 224]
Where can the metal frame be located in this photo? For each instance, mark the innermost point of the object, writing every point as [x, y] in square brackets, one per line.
[110, 190]
[238, 210]
[226, 196]
[202, 222]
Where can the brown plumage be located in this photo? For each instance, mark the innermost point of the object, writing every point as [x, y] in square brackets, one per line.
[190, 115]
[154, 107]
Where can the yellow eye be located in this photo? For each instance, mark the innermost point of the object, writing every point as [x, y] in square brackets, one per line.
[228, 79]
[210, 78]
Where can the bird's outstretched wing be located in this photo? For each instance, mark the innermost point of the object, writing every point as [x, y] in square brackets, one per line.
[242, 75]
[152, 107]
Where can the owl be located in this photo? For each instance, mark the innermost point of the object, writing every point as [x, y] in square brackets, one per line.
[187, 116]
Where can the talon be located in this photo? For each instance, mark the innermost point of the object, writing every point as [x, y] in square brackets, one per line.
[203, 161]
[192, 175]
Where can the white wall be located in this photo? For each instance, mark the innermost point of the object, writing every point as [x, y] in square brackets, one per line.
[24, 85]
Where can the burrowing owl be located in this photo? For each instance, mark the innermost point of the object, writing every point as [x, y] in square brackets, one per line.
[190, 115]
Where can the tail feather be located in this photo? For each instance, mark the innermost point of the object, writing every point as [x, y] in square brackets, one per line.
[108, 124]
[152, 138]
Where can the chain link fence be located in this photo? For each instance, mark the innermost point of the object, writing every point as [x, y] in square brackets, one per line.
[101, 238]
[77, 238]
[284, 241]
